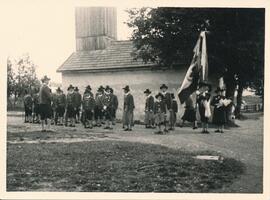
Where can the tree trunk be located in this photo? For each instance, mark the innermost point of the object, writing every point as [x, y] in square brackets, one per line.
[238, 101]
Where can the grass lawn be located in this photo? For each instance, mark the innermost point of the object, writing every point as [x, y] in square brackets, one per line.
[114, 166]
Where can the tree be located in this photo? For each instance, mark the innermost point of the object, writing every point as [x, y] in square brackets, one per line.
[21, 77]
[235, 41]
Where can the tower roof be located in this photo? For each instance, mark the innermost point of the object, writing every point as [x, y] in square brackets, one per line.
[114, 57]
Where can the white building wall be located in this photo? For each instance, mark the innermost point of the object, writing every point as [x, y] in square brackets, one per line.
[137, 80]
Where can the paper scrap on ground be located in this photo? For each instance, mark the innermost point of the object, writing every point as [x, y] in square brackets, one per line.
[207, 157]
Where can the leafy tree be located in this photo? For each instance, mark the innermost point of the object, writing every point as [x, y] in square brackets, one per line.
[235, 41]
[21, 77]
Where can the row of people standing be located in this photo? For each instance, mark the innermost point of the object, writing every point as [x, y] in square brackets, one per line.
[92, 110]
[161, 110]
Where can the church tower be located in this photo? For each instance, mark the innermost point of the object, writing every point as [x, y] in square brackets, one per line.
[96, 27]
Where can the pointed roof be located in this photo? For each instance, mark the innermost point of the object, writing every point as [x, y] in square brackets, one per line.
[116, 56]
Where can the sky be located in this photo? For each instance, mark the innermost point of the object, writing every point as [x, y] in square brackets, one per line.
[47, 32]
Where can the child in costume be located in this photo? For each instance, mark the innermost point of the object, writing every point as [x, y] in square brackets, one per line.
[160, 111]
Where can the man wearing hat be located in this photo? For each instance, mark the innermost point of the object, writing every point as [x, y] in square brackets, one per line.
[70, 107]
[114, 106]
[107, 107]
[159, 111]
[60, 105]
[168, 104]
[98, 106]
[149, 109]
[88, 106]
[128, 109]
[45, 98]
[78, 103]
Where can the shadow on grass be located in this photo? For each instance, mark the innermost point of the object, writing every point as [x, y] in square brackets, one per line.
[112, 166]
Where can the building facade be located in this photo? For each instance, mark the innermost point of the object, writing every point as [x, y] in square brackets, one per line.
[100, 59]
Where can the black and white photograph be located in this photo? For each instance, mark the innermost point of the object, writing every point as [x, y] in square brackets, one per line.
[134, 99]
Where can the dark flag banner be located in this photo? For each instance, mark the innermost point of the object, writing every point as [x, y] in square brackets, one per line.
[198, 69]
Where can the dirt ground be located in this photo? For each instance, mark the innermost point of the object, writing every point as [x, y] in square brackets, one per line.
[244, 143]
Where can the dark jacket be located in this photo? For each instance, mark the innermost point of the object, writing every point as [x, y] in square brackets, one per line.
[45, 95]
[28, 101]
[149, 103]
[61, 100]
[114, 102]
[77, 99]
[107, 100]
[128, 103]
[70, 100]
[159, 107]
[88, 102]
[99, 101]
[174, 106]
[168, 100]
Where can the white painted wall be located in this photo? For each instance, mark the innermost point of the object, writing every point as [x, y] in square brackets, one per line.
[137, 80]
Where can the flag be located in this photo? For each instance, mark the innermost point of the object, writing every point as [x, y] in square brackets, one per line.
[204, 58]
[198, 69]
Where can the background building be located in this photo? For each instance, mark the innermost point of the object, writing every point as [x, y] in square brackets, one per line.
[100, 59]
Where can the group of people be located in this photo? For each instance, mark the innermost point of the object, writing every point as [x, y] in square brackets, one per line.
[95, 110]
[221, 105]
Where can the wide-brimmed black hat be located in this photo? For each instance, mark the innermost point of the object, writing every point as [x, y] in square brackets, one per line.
[172, 95]
[111, 90]
[163, 86]
[159, 95]
[70, 87]
[126, 88]
[45, 78]
[76, 89]
[88, 87]
[147, 91]
[107, 88]
[58, 89]
[219, 90]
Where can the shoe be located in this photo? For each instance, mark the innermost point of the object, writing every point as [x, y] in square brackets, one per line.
[170, 129]
[43, 130]
[195, 127]
[159, 132]
[207, 132]
[217, 131]
[181, 126]
[129, 129]
[126, 129]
